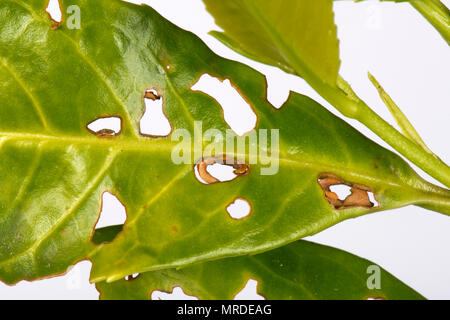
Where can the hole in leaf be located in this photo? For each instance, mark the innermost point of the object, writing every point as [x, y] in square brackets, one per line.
[132, 277]
[177, 294]
[249, 292]
[113, 212]
[239, 209]
[154, 122]
[219, 169]
[375, 298]
[342, 191]
[54, 11]
[105, 127]
[342, 194]
[238, 114]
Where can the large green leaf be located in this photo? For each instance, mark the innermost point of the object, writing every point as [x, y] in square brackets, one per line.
[53, 170]
[298, 36]
[301, 270]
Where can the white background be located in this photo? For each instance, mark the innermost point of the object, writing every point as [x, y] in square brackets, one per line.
[411, 61]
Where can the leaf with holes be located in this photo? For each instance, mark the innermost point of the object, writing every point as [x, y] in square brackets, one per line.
[67, 86]
[301, 270]
[297, 36]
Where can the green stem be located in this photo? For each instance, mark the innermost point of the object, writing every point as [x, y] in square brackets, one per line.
[436, 13]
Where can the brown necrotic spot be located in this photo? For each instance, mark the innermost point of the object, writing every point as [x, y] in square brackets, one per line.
[176, 293]
[105, 127]
[356, 195]
[220, 169]
[152, 95]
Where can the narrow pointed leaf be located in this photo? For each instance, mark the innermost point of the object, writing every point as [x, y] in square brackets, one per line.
[405, 125]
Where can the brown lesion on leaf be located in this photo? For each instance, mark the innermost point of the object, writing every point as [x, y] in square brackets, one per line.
[240, 167]
[359, 197]
[174, 229]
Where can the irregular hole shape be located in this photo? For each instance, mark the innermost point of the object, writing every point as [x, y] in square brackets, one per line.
[219, 169]
[54, 11]
[375, 298]
[105, 127]
[113, 212]
[154, 122]
[237, 112]
[131, 277]
[177, 294]
[359, 195]
[239, 209]
[249, 292]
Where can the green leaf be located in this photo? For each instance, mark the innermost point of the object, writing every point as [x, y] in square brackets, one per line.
[298, 36]
[53, 170]
[301, 270]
